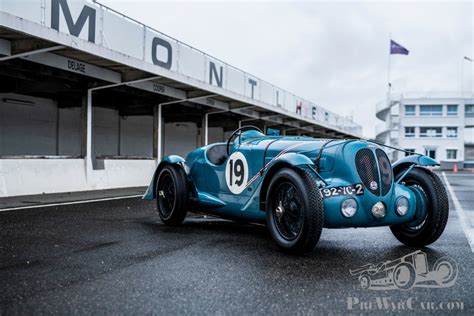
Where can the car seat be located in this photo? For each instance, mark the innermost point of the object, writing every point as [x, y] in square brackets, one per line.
[217, 153]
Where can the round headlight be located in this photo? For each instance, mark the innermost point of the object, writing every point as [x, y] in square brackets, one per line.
[378, 210]
[402, 205]
[349, 207]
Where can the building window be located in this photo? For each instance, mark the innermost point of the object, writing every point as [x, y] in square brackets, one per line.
[452, 132]
[451, 154]
[431, 110]
[469, 136]
[431, 131]
[410, 110]
[452, 109]
[409, 131]
[430, 152]
[409, 151]
[469, 110]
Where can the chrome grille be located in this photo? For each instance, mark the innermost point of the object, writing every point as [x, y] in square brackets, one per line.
[367, 168]
[385, 170]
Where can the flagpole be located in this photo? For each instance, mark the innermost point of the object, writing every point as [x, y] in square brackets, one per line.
[462, 73]
[388, 70]
[388, 75]
[462, 77]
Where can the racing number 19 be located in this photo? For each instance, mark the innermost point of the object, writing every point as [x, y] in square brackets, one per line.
[236, 169]
[236, 173]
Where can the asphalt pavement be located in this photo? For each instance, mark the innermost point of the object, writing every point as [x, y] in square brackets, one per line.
[116, 257]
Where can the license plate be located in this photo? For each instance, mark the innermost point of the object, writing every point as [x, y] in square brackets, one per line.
[353, 189]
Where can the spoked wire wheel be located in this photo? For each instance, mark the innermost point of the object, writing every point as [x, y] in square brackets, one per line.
[172, 195]
[415, 185]
[431, 196]
[166, 195]
[288, 214]
[295, 211]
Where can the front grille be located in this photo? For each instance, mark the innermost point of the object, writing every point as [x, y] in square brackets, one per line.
[367, 168]
[385, 170]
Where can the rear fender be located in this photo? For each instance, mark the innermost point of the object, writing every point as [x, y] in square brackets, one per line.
[150, 192]
[413, 160]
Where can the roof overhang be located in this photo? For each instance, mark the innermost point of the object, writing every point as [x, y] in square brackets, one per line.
[37, 42]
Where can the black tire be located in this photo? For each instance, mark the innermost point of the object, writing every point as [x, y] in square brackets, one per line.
[297, 228]
[437, 209]
[404, 276]
[172, 195]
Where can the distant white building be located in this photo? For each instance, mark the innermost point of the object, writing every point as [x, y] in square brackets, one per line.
[438, 125]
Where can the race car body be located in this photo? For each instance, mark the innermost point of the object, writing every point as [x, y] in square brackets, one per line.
[297, 185]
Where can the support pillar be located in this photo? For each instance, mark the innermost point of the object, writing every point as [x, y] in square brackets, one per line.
[158, 132]
[88, 155]
[205, 129]
[205, 125]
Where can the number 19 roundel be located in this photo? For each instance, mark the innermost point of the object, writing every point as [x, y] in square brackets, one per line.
[236, 173]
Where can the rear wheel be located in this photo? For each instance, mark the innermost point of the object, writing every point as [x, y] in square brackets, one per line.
[428, 229]
[172, 195]
[295, 213]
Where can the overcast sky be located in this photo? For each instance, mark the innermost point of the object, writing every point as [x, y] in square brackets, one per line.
[332, 53]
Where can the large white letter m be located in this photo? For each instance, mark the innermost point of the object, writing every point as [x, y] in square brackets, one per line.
[87, 13]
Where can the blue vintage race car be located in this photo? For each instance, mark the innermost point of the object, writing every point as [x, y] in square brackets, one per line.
[297, 185]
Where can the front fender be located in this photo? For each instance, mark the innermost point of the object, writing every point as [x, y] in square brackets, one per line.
[292, 159]
[285, 160]
[418, 160]
[173, 160]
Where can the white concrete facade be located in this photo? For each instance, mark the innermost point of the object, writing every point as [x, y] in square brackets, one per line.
[22, 176]
[440, 126]
[40, 147]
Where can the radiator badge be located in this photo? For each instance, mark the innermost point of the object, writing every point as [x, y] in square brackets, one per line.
[373, 186]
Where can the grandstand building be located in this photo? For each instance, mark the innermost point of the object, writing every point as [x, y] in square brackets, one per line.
[92, 99]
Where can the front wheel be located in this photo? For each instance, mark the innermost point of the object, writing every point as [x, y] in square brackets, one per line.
[295, 212]
[172, 195]
[430, 228]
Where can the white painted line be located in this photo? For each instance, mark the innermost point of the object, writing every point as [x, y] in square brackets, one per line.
[71, 203]
[468, 231]
[461, 174]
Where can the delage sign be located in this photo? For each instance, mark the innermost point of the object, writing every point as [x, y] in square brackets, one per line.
[100, 25]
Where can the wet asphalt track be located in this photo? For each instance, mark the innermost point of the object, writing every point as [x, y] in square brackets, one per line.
[117, 258]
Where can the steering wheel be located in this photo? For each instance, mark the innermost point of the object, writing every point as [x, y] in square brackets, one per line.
[238, 132]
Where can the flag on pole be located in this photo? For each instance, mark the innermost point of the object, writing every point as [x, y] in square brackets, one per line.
[396, 48]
